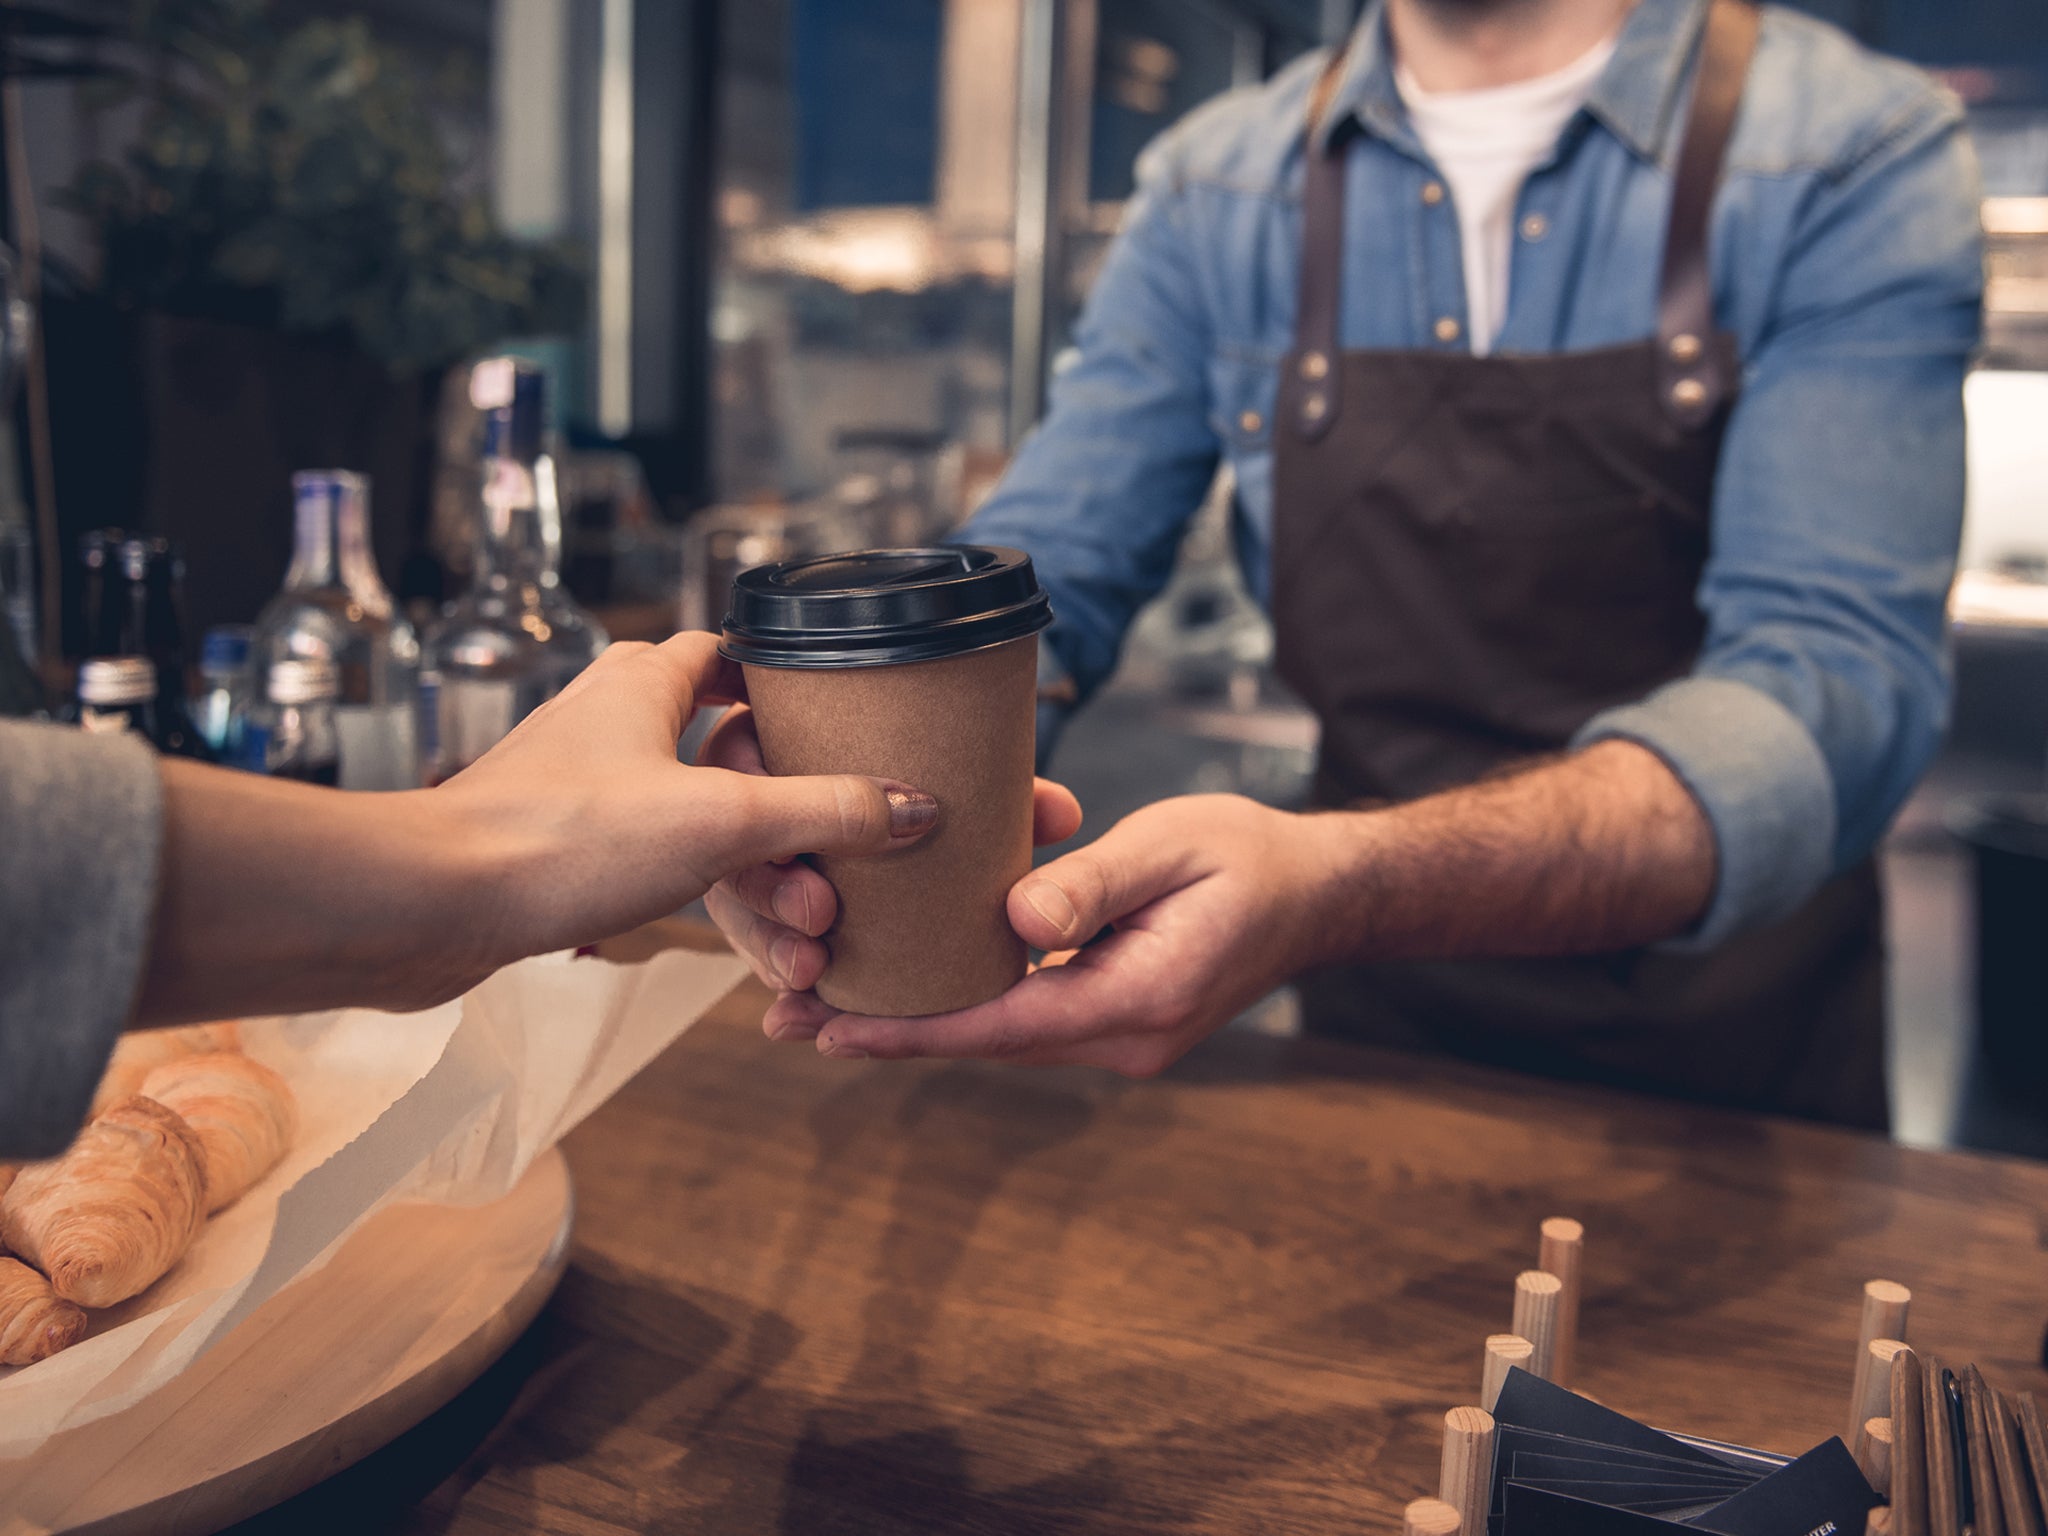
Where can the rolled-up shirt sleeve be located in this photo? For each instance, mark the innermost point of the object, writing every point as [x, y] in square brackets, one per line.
[1821, 691]
[1755, 770]
[81, 834]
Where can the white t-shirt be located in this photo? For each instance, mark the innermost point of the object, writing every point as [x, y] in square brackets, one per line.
[1486, 143]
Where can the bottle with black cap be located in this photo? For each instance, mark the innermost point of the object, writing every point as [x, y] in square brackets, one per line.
[917, 665]
[516, 638]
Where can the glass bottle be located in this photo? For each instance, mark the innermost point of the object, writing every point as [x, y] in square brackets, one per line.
[124, 693]
[293, 733]
[224, 689]
[143, 606]
[115, 694]
[156, 610]
[334, 608]
[106, 599]
[516, 638]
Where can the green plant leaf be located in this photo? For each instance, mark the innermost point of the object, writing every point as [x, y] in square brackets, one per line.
[293, 176]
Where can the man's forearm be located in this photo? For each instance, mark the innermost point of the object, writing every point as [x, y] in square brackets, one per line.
[1601, 850]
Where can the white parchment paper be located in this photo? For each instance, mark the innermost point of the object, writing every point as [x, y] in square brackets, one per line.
[451, 1105]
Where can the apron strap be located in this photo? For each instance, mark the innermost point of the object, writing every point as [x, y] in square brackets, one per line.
[1312, 388]
[1693, 377]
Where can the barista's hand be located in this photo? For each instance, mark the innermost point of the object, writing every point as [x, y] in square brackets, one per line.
[1213, 901]
[774, 912]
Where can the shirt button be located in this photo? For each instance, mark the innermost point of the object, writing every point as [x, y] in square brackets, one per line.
[1432, 193]
[1447, 329]
[1535, 226]
[1250, 423]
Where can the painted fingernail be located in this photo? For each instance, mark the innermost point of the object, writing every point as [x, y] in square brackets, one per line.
[838, 1050]
[782, 960]
[1050, 903]
[911, 811]
[792, 906]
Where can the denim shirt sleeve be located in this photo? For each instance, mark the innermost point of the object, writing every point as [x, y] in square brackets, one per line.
[1822, 689]
[1101, 492]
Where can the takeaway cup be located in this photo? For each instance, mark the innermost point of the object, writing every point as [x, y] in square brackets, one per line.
[918, 665]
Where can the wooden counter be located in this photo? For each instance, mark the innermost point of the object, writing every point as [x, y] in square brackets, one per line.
[814, 1296]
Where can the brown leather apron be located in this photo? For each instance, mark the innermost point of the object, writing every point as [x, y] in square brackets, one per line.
[1475, 555]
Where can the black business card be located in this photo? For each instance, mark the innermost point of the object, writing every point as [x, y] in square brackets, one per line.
[1821, 1493]
[1565, 1466]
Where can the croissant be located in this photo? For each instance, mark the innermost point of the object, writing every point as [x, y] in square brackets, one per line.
[242, 1112]
[7, 1173]
[112, 1214]
[35, 1322]
[142, 1051]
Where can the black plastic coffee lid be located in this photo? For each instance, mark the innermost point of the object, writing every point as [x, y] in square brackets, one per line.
[882, 607]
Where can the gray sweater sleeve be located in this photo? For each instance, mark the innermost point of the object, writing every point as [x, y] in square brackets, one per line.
[81, 832]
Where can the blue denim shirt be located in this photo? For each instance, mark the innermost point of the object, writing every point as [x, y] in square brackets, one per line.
[1846, 261]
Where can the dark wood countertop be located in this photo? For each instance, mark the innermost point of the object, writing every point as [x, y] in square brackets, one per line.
[814, 1296]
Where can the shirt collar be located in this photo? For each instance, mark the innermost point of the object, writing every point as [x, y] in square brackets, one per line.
[1635, 96]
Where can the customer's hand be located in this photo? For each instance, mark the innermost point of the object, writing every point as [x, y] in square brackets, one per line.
[276, 897]
[775, 911]
[604, 829]
[1209, 902]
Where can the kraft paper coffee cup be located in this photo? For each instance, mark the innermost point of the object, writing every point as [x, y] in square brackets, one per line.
[918, 665]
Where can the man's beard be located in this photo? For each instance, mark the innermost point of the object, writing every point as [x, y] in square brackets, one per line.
[1474, 10]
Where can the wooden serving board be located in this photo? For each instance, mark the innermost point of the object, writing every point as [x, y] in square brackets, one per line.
[411, 1310]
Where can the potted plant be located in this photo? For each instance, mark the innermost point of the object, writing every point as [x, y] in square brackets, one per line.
[290, 235]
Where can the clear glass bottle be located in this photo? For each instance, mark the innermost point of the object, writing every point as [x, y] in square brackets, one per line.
[293, 732]
[334, 608]
[223, 689]
[516, 638]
